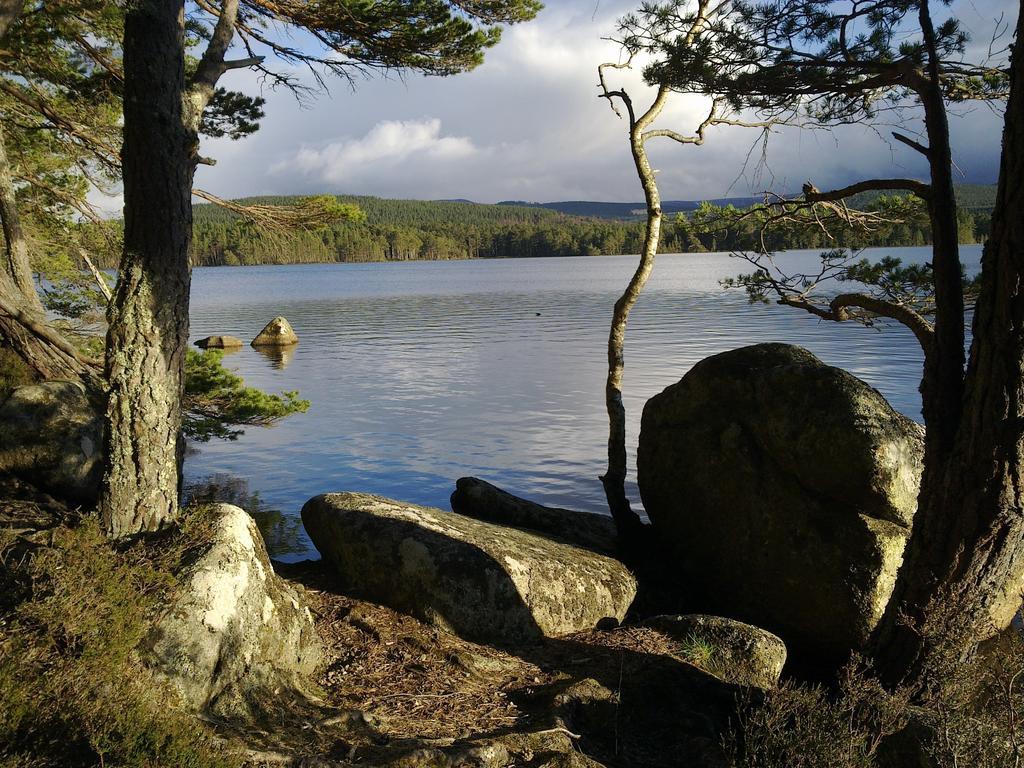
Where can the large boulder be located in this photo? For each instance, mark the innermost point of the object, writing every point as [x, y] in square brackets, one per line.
[236, 637]
[786, 488]
[277, 333]
[483, 581]
[51, 435]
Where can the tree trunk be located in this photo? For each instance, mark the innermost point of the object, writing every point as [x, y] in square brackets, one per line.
[943, 381]
[10, 10]
[614, 480]
[23, 325]
[148, 318]
[966, 551]
[16, 264]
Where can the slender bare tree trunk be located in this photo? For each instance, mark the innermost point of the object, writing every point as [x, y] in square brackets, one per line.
[943, 384]
[966, 551]
[614, 479]
[148, 318]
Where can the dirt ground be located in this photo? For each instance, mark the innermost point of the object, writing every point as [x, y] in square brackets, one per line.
[410, 694]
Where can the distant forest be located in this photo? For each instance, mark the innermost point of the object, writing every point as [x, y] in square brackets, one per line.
[403, 230]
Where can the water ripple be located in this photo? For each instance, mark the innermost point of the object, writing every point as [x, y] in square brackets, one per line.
[421, 372]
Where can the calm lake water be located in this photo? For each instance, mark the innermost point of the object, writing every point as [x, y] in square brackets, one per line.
[422, 372]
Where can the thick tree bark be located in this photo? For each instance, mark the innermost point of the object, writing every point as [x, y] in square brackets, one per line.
[967, 548]
[148, 318]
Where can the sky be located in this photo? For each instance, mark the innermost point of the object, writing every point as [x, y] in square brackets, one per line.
[528, 125]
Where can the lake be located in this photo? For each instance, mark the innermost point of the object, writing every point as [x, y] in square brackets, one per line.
[422, 372]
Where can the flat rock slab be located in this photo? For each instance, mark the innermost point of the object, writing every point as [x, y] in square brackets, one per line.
[277, 333]
[483, 581]
[220, 342]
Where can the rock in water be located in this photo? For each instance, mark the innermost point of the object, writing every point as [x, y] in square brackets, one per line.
[786, 488]
[731, 650]
[486, 582]
[277, 333]
[236, 637]
[51, 435]
[221, 342]
[480, 500]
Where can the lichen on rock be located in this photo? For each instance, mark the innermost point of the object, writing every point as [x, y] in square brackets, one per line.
[236, 635]
[785, 488]
[484, 581]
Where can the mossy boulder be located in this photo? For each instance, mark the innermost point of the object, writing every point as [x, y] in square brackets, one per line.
[219, 342]
[731, 650]
[786, 488]
[235, 638]
[277, 333]
[51, 435]
[483, 581]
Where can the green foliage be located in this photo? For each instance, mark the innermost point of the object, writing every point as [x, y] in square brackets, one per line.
[72, 691]
[399, 230]
[435, 37]
[231, 114]
[827, 61]
[889, 281]
[217, 400]
[698, 651]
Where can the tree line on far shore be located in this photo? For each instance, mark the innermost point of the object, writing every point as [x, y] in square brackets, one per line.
[404, 230]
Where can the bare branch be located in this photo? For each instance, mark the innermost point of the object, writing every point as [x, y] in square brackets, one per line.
[308, 214]
[919, 188]
[47, 334]
[916, 146]
[839, 311]
[97, 275]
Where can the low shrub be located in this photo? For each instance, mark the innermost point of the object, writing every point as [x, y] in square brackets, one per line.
[72, 690]
[969, 713]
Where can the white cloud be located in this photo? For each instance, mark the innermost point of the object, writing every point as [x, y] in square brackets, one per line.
[387, 144]
[528, 125]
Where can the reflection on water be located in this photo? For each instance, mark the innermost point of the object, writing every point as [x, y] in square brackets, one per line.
[283, 534]
[278, 357]
[421, 372]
